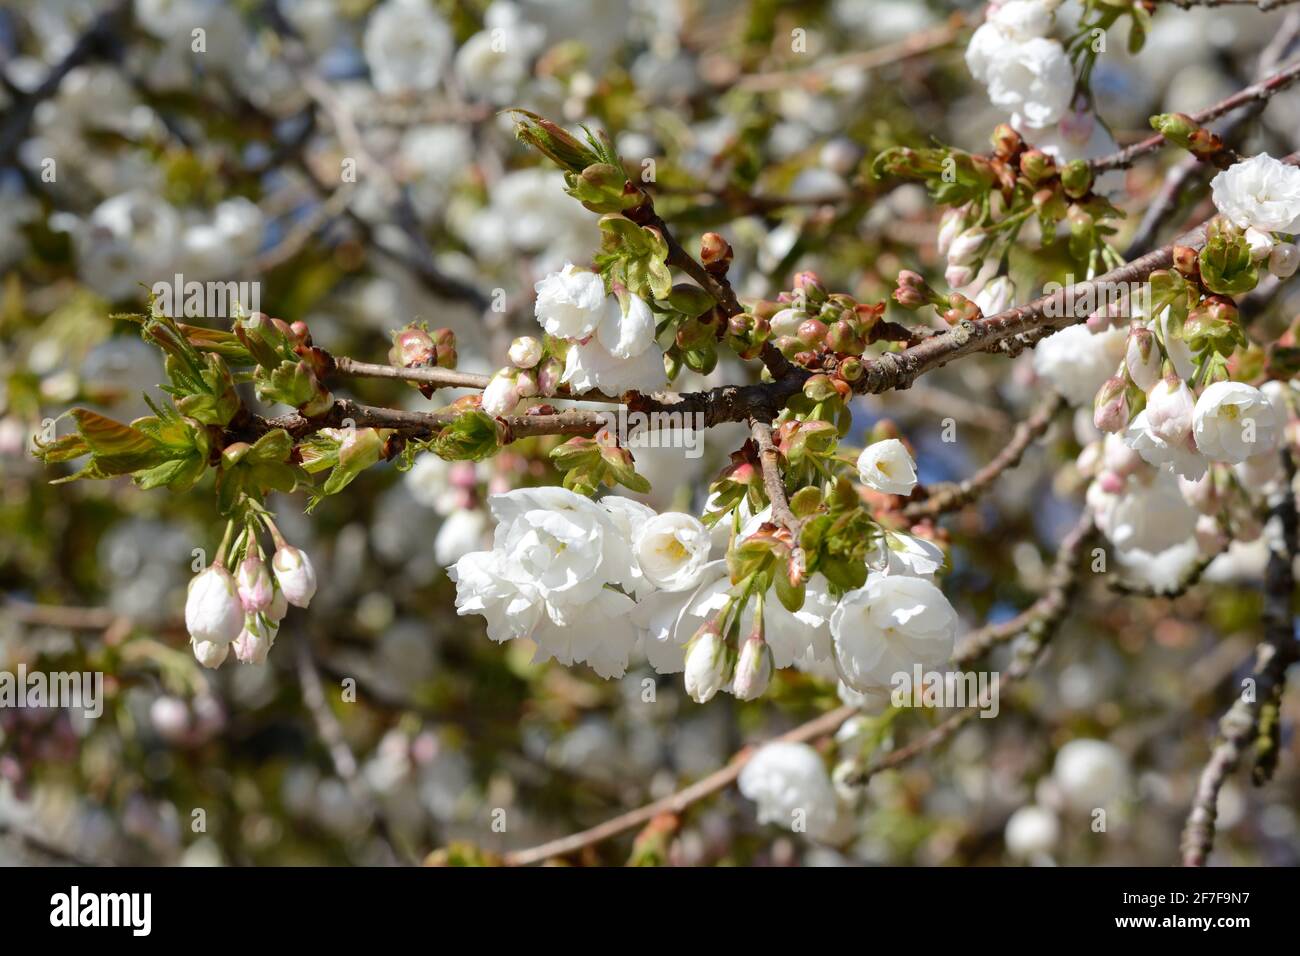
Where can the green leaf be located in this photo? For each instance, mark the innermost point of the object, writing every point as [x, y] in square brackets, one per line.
[472, 436]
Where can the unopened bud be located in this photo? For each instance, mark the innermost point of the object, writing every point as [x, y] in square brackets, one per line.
[811, 286]
[1283, 260]
[968, 247]
[1110, 408]
[708, 664]
[525, 352]
[254, 583]
[1037, 166]
[1076, 178]
[819, 388]
[294, 571]
[715, 252]
[548, 376]
[1006, 141]
[753, 669]
[1142, 358]
[1185, 258]
[412, 348]
[812, 332]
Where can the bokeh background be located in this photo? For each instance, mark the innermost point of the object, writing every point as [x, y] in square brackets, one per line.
[221, 165]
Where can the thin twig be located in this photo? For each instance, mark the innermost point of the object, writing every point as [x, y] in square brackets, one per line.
[954, 496]
[1251, 721]
[769, 457]
[863, 61]
[1259, 92]
[815, 729]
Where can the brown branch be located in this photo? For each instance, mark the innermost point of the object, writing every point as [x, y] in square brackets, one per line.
[677, 803]
[441, 377]
[451, 378]
[72, 618]
[1015, 329]
[769, 457]
[1252, 720]
[1259, 92]
[1190, 167]
[1186, 581]
[1044, 612]
[954, 496]
[912, 46]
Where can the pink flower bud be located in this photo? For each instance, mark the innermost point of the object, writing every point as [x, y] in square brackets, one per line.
[1110, 482]
[254, 582]
[951, 225]
[958, 276]
[213, 611]
[254, 641]
[1110, 408]
[1142, 358]
[549, 376]
[968, 247]
[526, 383]
[754, 669]
[296, 575]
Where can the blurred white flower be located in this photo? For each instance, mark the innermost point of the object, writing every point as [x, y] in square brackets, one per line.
[1092, 774]
[1149, 514]
[790, 784]
[1076, 361]
[461, 532]
[493, 63]
[1032, 832]
[407, 44]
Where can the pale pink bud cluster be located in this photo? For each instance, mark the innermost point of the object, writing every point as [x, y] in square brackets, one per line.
[242, 612]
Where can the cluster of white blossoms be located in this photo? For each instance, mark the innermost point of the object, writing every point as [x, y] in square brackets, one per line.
[608, 344]
[1026, 72]
[1262, 196]
[1153, 487]
[594, 581]
[1030, 75]
[243, 611]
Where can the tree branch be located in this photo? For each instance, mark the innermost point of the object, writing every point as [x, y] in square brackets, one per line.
[1252, 720]
[1259, 92]
[815, 729]
[954, 496]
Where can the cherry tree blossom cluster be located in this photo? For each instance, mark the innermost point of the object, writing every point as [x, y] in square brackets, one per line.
[808, 562]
